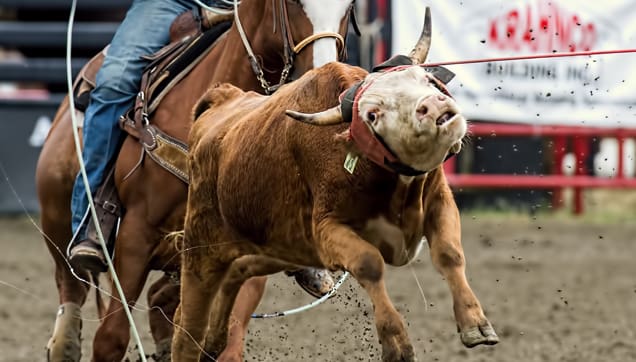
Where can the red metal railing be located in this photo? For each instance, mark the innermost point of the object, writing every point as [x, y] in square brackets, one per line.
[580, 137]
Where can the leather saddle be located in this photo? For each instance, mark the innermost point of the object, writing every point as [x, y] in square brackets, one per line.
[192, 35]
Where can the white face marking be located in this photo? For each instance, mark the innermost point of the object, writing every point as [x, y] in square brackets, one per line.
[406, 118]
[325, 15]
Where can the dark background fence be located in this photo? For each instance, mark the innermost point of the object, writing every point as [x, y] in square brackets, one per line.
[33, 78]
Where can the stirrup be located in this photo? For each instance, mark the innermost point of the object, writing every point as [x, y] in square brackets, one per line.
[85, 253]
[88, 255]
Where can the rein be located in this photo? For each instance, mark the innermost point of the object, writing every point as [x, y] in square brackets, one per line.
[290, 49]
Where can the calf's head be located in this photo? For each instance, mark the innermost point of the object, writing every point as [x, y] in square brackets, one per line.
[406, 109]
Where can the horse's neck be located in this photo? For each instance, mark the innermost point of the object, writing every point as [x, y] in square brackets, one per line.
[225, 63]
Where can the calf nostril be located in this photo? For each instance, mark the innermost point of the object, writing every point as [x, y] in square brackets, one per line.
[423, 110]
[441, 97]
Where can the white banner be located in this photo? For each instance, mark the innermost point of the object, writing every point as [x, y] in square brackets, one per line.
[588, 91]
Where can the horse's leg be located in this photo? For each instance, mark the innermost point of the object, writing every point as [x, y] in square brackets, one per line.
[132, 252]
[163, 299]
[245, 304]
[443, 233]
[65, 343]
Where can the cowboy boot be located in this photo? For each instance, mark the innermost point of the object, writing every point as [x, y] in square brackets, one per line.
[85, 252]
[314, 281]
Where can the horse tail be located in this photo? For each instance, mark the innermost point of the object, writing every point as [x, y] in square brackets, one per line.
[99, 301]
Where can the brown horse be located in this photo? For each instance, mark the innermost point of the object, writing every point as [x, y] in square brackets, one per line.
[155, 200]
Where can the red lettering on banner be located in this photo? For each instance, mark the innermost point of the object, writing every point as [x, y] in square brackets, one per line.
[541, 27]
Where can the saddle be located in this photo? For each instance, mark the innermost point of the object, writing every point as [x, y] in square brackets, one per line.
[192, 35]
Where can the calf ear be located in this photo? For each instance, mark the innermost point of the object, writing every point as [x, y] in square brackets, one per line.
[442, 74]
[395, 61]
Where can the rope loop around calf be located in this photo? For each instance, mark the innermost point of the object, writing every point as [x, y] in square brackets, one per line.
[307, 306]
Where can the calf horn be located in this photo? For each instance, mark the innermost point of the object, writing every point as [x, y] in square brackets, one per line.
[420, 51]
[325, 118]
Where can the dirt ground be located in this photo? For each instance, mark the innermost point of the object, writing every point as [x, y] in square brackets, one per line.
[555, 288]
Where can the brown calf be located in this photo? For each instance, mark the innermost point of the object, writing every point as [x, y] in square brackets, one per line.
[269, 193]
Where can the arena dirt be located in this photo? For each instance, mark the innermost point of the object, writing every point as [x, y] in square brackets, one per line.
[555, 289]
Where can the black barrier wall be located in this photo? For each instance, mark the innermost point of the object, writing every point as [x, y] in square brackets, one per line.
[33, 32]
[23, 128]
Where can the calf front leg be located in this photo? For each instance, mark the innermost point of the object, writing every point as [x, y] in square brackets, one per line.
[443, 232]
[198, 287]
[341, 247]
[239, 277]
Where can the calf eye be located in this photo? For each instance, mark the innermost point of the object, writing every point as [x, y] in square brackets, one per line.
[371, 116]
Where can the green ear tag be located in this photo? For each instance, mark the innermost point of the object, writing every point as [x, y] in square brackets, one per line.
[350, 162]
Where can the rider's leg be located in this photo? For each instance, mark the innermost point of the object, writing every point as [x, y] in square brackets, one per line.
[143, 31]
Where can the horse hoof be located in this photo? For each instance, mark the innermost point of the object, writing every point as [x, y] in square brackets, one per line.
[65, 343]
[162, 351]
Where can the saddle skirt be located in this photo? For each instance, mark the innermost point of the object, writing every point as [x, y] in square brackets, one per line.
[192, 36]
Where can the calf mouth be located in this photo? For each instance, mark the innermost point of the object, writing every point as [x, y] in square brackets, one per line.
[444, 118]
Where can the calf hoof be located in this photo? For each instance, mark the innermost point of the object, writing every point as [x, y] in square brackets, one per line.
[483, 334]
[405, 354]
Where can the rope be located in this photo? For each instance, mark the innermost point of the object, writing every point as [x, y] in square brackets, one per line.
[308, 306]
[535, 56]
[78, 150]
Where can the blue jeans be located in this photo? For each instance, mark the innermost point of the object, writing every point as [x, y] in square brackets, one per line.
[144, 31]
